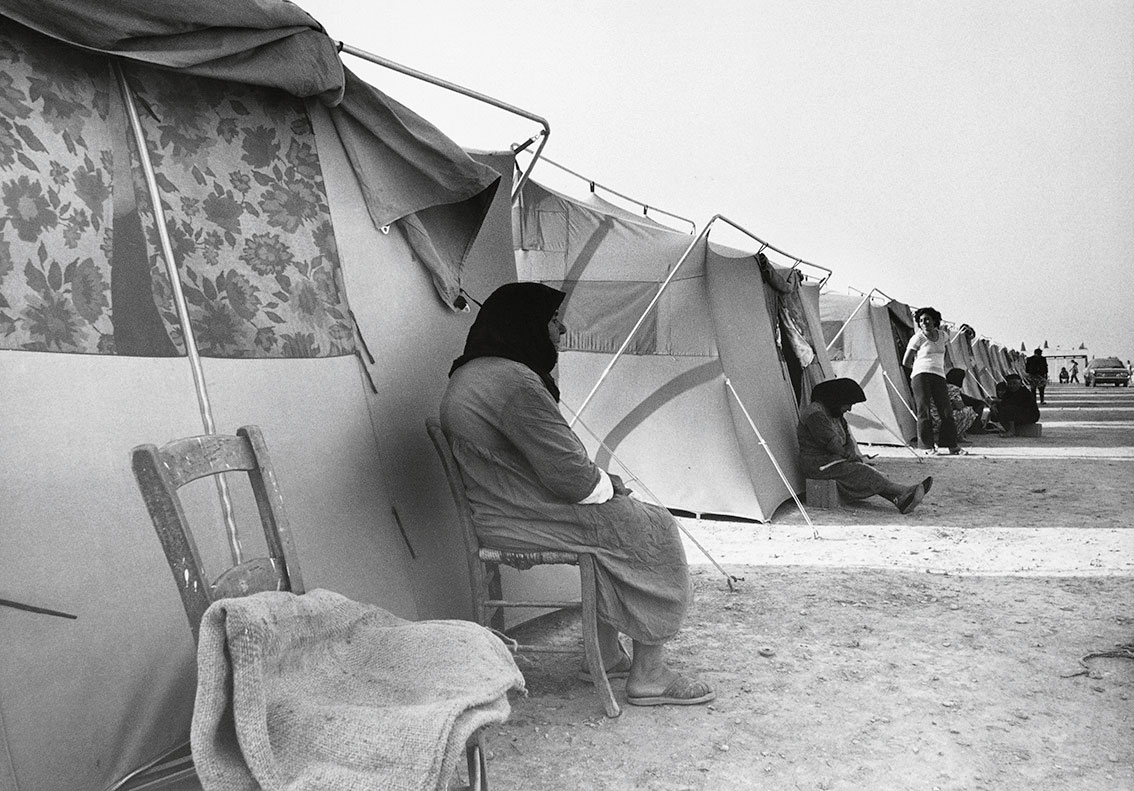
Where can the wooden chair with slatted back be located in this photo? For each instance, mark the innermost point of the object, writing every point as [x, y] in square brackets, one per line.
[487, 591]
[160, 472]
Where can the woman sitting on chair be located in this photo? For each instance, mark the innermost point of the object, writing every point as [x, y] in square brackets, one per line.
[828, 451]
[532, 486]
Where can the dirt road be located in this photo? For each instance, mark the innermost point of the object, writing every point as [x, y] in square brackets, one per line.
[947, 649]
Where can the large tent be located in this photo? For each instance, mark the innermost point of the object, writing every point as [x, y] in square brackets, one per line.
[863, 339]
[704, 374]
[322, 235]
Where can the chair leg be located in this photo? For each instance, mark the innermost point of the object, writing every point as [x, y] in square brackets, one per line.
[475, 758]
[495, 591]
[590, 635]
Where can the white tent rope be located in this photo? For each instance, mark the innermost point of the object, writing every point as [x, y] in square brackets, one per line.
[730, 578]
[772, 457]
[179, 300]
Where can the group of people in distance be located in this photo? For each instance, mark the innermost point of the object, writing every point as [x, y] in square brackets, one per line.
[532, 485]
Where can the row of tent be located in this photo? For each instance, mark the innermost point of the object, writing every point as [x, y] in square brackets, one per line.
[686, 362]
[323, 240]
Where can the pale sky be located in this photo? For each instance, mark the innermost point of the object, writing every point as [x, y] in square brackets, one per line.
[973, 156]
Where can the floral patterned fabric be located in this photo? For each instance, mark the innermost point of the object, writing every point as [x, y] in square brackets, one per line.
[247, 215]
[242, 190]
[55, 208]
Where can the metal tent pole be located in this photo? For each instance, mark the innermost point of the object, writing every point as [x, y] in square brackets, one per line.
[641, 319]
[645, 208]
[771, 457]
[838, 334]
[179, 300]
[729, 578]
[665, 284]
[894, 388]
[429, 78]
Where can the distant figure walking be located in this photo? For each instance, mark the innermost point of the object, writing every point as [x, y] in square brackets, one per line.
[1074, 371]
[1036, 369]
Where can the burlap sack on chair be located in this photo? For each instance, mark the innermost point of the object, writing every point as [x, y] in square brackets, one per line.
[318, 691]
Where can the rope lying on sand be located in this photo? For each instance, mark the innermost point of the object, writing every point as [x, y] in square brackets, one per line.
[1120, 651]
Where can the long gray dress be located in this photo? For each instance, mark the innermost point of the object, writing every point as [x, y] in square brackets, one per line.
[525, 471]
[824, 439]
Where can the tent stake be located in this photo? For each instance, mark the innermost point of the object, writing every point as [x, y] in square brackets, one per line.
[772, 458]
[179, 300]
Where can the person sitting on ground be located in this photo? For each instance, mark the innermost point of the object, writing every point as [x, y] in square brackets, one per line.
[1035, 367]
[532, 486]
[1063, 375]
[1014, 406]
[828, 450]
[964, 416]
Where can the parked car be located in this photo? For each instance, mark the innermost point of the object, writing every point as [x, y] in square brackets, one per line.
[1106, 370]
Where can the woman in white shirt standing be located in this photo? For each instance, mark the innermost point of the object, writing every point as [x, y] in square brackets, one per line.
[925, 354]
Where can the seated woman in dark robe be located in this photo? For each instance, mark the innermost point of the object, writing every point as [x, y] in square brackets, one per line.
[828, 451]
[532, 486]
[1014, 405]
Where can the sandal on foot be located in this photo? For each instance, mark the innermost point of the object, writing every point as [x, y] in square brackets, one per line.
[911, 500]
[682, 691]
[620, 669]
[958, 452]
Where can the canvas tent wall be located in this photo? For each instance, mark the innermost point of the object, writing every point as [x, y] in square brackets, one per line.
[961, 353]
[287, 274]
[665, 414]
[864, 349]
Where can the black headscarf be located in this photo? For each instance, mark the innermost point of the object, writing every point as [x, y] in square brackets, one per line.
[512, 324]
[955, 376]
[834, 393]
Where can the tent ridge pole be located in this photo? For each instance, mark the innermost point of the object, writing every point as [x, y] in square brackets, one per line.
[191, 350]
[593, 184]
[452, 86]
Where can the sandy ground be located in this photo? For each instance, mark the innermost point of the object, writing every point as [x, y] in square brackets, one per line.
[946, 649]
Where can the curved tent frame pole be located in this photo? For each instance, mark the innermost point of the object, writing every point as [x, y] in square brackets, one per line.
[874, 291]
[451, 86]
[179, 301]
[594, 184]
[665, 284]
[771, 457]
